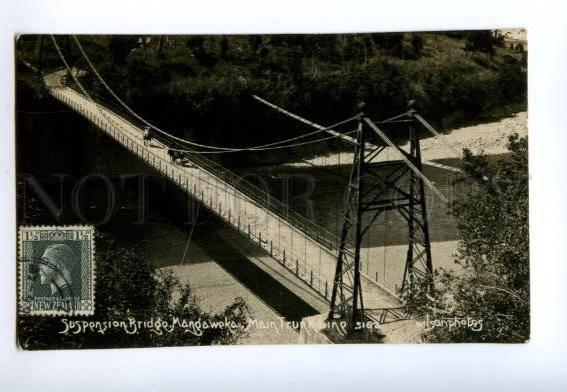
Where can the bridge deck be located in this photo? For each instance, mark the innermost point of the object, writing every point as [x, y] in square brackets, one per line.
[286, 241]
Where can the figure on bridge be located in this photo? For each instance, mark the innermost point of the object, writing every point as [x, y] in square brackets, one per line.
[175, 156]
[147, 135]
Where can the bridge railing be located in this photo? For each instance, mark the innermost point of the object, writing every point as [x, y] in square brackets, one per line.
[264, 200]
[259, 196]
[303, 266]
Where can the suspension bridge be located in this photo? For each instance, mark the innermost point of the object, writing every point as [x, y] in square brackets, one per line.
[329, 265]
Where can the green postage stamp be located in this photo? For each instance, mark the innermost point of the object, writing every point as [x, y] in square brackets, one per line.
[56, 270]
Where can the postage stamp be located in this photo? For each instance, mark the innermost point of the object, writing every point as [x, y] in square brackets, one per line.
[56, 270]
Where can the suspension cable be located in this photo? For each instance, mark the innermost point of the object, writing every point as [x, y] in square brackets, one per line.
[305, 121]
[86, 93]
[262, 149]
[439, 136]
[97, 106]
[70, 71]
[190, 234]
[418, 172]
[131, 111]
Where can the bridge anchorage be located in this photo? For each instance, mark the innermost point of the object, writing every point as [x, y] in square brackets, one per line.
[374, 188]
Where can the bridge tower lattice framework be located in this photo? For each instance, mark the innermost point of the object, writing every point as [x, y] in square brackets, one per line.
[373, 189]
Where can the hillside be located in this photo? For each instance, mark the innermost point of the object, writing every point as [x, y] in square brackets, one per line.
[199, 86]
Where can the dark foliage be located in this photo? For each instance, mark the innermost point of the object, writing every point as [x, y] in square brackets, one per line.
[482, 40]
[199, 86]
[128, 287]
[493, 253]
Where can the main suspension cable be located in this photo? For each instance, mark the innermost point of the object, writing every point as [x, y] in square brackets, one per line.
[262, 149]
[227, 149]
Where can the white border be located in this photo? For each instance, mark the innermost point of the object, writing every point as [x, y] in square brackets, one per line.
[537, 365]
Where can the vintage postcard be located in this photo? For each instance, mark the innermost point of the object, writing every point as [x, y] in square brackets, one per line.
[272, 189]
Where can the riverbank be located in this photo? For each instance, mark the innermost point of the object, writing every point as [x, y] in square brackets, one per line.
[212, 278]
[488, 138]
[216, 288]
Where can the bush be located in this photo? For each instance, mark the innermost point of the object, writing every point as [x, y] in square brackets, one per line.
[481, 40]
[128, 287]
[494, 253]
[194, 92]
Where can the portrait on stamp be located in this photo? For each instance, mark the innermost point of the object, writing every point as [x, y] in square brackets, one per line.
[56, 270]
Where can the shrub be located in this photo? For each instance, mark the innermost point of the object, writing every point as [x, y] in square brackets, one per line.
[128, 287]
[494, 253]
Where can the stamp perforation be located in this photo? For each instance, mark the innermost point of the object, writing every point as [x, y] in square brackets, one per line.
[85, 299]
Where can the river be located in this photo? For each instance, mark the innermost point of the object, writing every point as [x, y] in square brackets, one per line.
[61, 150]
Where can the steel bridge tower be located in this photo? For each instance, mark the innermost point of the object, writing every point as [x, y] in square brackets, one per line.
[373, 189]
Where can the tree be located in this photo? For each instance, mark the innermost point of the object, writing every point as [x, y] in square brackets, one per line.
[121, 46]
[417, 44]
[391, 43]
[494, 253]
[295, 62]
[224, 47]
[197, 45]
[254, 41]
[481, 40]
[127, 287]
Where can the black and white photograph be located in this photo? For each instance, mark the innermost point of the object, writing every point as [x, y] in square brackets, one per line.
[278, 189]
[275, 196]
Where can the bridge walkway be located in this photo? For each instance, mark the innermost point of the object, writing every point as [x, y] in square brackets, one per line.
[299, 245]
